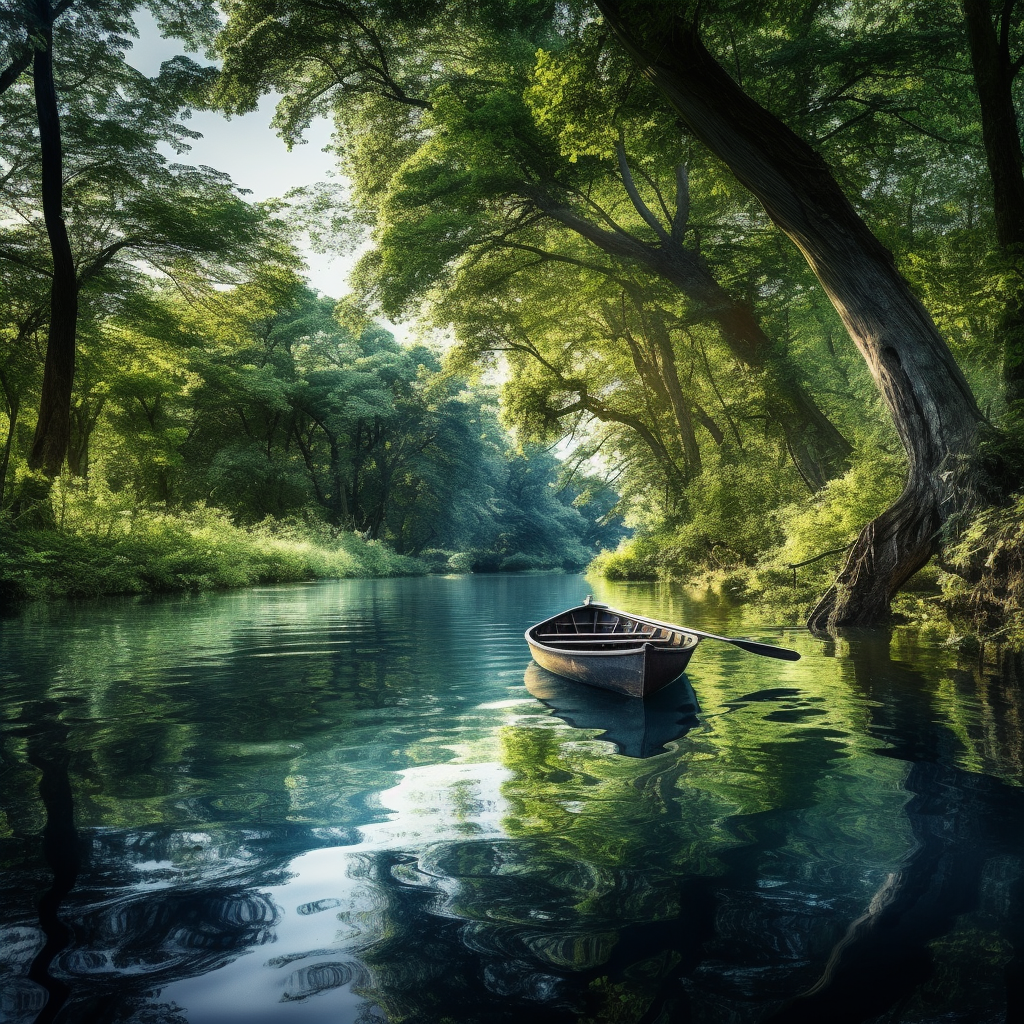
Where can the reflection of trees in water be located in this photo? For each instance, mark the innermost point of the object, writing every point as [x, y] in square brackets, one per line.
[187, 743]
[238, 709]
[946, 928]
[993, 737]
[490, 930]
[40, 936]
[616, 914]
[155, 908]
[766, 856]
[131, 938]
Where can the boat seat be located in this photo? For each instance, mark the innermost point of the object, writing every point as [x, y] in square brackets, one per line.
[599, 641]
[599, 636]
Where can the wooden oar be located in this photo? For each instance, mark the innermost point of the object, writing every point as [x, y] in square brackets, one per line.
[751, 646]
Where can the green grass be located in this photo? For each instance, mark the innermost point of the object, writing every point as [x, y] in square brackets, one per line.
[121, 551]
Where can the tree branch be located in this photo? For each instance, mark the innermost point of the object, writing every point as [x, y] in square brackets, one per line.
[634, 196]
[682, 218]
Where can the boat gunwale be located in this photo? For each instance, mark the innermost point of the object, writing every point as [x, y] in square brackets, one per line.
[689, 640]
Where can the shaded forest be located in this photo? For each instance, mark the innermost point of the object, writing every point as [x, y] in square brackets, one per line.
[184, 402]
[753, 270]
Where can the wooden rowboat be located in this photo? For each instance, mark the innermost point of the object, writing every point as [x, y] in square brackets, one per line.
[603, 647]
[619, 651]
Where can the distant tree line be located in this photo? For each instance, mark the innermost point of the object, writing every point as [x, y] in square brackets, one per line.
[156, 338]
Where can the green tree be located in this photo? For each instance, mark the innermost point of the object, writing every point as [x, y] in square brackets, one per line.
[929, 399]
[119, 117]
[468, 170]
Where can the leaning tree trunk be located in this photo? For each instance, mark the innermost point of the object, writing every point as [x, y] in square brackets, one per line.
[53, 429]
[930, 401]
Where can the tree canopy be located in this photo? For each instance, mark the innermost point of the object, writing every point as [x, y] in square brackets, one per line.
[660, 226]
[630, 141]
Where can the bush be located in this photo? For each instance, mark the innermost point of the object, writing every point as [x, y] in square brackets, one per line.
[827, 525]
[436, 559]
[984, 589]
[522, 563]
[474, 561]
[461, 561]
[494, 561]
[153, 551]
[486, 561]
[632, 560]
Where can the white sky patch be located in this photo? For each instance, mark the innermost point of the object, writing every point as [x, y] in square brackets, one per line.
[249, 150]
[439, 802]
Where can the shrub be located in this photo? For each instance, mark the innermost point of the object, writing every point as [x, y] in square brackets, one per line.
[436, 559]
[461, 561]
[521, 563]
[117, 551]
[632, 560]
[486, 561]
[984, 588]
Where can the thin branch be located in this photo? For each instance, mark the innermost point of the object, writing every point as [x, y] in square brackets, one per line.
[714, 387]
[634, 196]
[602, 213]
[27, 264]
[571, 260]
[104, 258]
[681, 220]
[16, 68]
[657, 191]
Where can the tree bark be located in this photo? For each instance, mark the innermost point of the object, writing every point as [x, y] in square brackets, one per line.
[13, 405]
[930, 401]
[994, 72]
[53, 429]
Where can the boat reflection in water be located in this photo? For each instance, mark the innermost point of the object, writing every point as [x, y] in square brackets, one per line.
[638, 728]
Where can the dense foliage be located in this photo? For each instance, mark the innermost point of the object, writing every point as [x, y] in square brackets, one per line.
[532, 190]
[212, 389]
[610, 255]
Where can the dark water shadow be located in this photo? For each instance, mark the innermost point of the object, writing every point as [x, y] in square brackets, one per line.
[969, 830]
[43, 730]
[638, 728]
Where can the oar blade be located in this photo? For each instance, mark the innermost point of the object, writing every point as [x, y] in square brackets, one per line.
[766, 650]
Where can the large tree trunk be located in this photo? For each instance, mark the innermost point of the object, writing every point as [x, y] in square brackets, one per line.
[53, 429]
[994, 72]
[930, 401]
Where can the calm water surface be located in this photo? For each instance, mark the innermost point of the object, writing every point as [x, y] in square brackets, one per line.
[357, 802]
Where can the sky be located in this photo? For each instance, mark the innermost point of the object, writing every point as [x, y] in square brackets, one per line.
[249, 150]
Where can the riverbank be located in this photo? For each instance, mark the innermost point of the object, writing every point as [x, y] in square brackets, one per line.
[972, 602]
[152, 552]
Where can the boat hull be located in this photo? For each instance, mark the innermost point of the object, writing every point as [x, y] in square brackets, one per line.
[611, 650]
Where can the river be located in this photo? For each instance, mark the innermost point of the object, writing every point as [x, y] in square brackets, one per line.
[356, 801]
